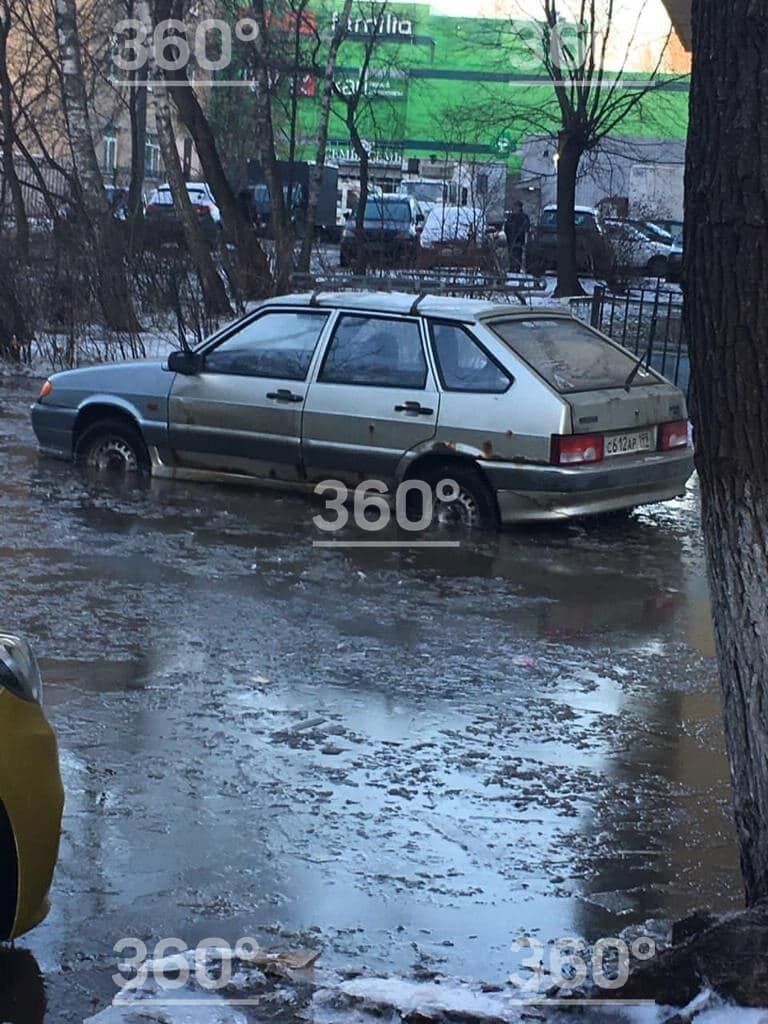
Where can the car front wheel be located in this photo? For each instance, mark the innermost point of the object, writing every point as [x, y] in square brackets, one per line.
[113, 446]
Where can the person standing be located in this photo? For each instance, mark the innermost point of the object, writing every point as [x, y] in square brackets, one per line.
[516, 228]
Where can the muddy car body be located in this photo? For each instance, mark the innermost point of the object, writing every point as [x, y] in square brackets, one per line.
[535, 414]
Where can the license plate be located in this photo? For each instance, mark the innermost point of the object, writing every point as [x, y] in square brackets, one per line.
[627, 444]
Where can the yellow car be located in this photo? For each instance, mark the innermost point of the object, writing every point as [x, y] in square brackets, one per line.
[31, 794]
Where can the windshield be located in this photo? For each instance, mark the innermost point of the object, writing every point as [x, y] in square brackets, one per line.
[427, 191]
[453, 222]
[657, 233]
[388, 211]
[569, 355]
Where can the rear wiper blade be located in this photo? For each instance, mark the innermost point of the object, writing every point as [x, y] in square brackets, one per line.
[637, 367]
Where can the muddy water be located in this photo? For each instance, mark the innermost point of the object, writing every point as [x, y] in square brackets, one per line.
[402, 756]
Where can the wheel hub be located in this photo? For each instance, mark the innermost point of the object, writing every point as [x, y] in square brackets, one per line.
[464, 510]
[113, 455]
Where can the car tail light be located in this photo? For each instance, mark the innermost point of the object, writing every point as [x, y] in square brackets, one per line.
[673, 435]
[577, 449]
[200, 208]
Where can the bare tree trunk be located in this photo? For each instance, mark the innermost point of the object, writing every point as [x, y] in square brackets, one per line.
[726, 282]
[567, 168]
[253, 270]
[265, 147]
[111, 280]
[137, 110]
[214, 292]
[361, 247]
[255, 278]
[316, 178]
[10, 176]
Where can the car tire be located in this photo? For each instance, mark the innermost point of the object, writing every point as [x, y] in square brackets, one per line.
[474, 507]
[9, 877]
[113, 446]
[657, 267]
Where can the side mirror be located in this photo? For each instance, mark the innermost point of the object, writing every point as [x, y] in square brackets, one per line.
[185, 362]
[420, 218]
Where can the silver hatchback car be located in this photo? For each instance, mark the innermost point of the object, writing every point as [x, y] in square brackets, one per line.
[535, 415]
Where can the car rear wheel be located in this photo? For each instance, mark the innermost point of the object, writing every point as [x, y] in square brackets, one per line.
[460, 497]
[9, 877]
[113, 446]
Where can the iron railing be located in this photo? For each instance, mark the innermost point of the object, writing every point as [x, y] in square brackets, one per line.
[647, 321]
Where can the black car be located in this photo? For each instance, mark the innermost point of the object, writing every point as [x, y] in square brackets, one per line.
[162, 224]
[594, 254]
[390, 234]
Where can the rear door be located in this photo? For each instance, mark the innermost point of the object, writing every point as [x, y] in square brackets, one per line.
[242, 413]
[374, 399]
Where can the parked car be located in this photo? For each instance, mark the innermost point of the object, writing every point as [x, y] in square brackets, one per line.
[594, 254]
[31, 795]
[391, 226]
[637, 250]
[162, 224]
[534, 414]
[458, 236]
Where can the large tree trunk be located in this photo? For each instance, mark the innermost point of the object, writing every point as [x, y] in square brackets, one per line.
[214, 292]
[316, 178]
[726, 283]
[567, 169]
[111, 280]
[255, 278]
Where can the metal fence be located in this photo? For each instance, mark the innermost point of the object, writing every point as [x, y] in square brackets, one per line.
[647, 321]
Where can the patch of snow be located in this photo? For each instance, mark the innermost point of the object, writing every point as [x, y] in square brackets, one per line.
[181, 1006]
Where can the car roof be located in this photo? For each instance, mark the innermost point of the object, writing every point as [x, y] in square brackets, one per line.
[445, 306]
[576, 209]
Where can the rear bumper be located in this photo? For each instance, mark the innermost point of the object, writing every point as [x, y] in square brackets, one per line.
[529, 494]
[54, 429]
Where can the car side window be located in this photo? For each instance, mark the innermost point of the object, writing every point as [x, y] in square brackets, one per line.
[279, 344]
[375, 352]
[463, 364]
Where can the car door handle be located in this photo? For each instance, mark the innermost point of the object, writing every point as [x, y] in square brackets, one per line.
[414, 407]
[284, 395]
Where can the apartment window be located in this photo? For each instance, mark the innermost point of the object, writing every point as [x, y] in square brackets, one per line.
[152, 159]
[110, 151]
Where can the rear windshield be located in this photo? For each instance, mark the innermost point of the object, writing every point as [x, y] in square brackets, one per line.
[570, 356]
[581, 219]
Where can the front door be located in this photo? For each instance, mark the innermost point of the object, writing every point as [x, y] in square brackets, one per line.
[373, 400]
[242, 413]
